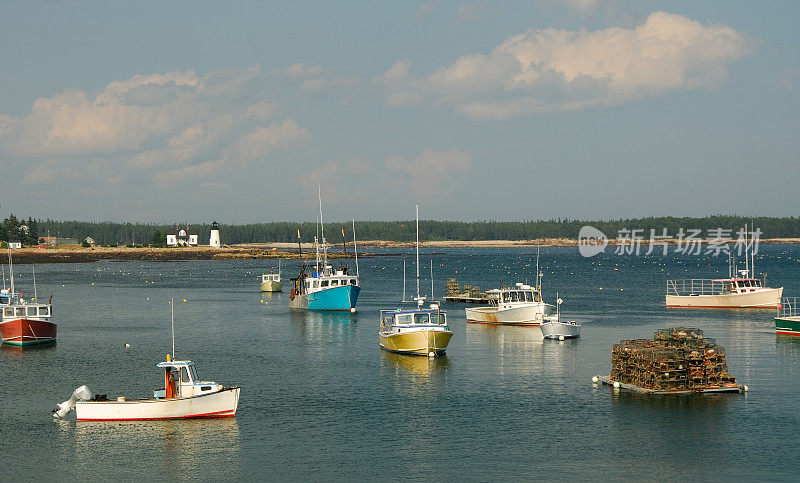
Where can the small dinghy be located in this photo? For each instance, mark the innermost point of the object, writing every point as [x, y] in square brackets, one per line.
[555, 328]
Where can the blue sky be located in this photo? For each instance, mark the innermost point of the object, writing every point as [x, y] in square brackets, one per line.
[193, 111]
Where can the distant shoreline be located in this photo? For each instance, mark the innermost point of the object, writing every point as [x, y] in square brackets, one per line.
[255, 251]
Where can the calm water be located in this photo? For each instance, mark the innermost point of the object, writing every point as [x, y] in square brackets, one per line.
[321, 400]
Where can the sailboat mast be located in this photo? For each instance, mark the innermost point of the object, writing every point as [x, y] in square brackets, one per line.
[35, 295]
[11, 270]
[404, 280]
[746, 252]
[432, 279]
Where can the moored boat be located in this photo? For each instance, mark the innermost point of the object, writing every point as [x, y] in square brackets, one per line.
[183, 396]
[322, 287]
[787, 320]
[418, 331]
[518, 305]
[271, 282]
[555, 328]
[22, 322]
[740, 290]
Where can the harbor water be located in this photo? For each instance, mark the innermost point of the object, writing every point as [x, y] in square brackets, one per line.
[320, 400]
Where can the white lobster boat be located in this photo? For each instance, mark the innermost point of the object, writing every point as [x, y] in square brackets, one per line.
[518, 305]
[183, 396]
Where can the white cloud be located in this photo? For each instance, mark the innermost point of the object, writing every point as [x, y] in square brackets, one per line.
[468, 11]
[561, 70]
[430, 174]
[164, 127]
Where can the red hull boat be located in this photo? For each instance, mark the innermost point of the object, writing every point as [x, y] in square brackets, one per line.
[25, 332]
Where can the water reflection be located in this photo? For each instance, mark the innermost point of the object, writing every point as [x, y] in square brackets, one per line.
[17, 350]
[323, 327]
[560, 357]
[416, 375]
[178, 449]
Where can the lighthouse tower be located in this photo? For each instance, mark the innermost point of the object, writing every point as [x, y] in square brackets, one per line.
[214, 239]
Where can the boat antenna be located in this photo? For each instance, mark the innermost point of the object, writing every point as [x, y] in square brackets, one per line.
[752, 252]
[538, 282]
[432, 279]
[404, 280]
[35, 295]
[558, 308]
[279, 268]
[344, 246]
[3, 267]
[172, 308]
[299, 248]
[355, 249]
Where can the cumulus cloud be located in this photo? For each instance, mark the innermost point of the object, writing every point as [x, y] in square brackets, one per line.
[561, 70]
[313, 78]
[165, 127]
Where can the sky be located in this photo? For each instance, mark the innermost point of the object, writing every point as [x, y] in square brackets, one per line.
[193, 111]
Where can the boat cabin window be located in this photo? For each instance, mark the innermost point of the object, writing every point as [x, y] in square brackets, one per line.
[193, 373]
[32, 312]
[405, 318]
[334, 283]
[44, 310]
[440, 319]
[20, 311]
[5, 300]
[422, 318]
[8, 312]
[324, 283]
[184, 375]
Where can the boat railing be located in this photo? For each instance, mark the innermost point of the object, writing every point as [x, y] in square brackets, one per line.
[696, 286]
[789, 307]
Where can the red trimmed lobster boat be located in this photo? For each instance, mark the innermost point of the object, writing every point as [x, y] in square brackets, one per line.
[23, 322]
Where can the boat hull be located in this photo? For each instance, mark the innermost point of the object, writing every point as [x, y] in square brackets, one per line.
[215, 405]
[26, 332]
[419, 342]
[762, 299]
[271, 286]
[529, 315]
[556, 330]
[787, 325]
[336, 298]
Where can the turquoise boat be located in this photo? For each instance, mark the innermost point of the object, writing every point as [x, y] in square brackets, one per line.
[787, 322]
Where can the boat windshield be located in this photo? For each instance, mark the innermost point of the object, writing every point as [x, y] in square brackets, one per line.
[422, 318]
[193, 373]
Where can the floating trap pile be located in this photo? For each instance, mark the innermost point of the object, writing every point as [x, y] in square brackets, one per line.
[678, 359]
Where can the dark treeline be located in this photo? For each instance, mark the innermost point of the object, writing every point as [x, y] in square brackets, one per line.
[139, 233]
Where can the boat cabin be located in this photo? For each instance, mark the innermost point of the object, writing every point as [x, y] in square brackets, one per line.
[271, 277]
[321, 281]
[741, 285]
[520, 293]
[412, 319]
[180, 380]
[14, 307]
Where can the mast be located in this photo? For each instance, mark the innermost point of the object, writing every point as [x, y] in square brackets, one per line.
[355, 249]
[746, 251]
[432, 279]
[35, 295]
[322, 230]
[11, 270]
[404, 280]
[172, 307]
[417, 254]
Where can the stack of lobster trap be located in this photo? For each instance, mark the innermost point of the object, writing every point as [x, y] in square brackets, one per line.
[678, 358]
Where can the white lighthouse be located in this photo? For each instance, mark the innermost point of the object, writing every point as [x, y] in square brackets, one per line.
[214, 239]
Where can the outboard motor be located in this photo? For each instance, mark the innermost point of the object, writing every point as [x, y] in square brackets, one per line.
[81, 394]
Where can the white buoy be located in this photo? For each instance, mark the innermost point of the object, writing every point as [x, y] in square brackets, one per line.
[595, 379]
[127, 345]
[560, 337]
[745, 388]
[431, 354]
[616, 385]
[352, 310]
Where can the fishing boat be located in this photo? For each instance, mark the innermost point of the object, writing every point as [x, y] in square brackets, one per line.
[419, 331]
[322, 287]
[740, 290]
[183, 396]
[787, 321]
[24, 322]
[271, 282]
[518, 305]
[555, 328]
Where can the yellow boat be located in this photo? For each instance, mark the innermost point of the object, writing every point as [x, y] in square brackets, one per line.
[418, 331]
